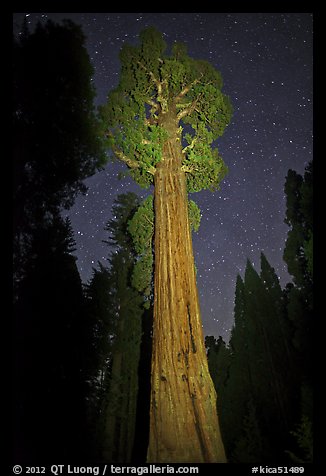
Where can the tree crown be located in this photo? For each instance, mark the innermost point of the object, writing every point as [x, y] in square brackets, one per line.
[154, 84]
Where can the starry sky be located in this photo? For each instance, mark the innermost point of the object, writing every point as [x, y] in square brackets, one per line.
[266, 63]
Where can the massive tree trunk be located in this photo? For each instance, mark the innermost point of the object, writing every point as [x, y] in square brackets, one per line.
[183, 420]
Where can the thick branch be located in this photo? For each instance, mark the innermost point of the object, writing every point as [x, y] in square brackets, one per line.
[151, 170]
[120, 155]
[183, 105]
[159, 86]
[186, 89]
[133, 164]
[155, 81]
[189, 168]
[155, 106]
[152, 103]
[190, 146]
[188, 110]
[150, 121]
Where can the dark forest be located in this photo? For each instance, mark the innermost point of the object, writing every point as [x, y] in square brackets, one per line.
[81, 373]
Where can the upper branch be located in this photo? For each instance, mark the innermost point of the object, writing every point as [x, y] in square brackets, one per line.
[190, 109]
[132, 163]
[156, 81]
[162, 100]
[186, 89]
[191, 145]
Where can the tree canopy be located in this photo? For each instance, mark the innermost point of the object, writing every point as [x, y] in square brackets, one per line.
[154, 83]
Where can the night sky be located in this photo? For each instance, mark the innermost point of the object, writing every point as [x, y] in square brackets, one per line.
[266, 63]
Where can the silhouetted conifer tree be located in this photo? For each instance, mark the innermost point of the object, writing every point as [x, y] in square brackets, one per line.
[56, 137]
[117, 308]
[260, 393]
[298, 255]
[56, 146]
[49, 378]
[266, 399]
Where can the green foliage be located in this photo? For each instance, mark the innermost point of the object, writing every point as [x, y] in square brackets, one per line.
[123, 210]
[194, 215]
[141, 228]
[116, 309]
[205, 168]
[142, 276]
[153, 83]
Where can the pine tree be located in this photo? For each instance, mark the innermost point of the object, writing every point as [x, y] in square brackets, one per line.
[161, 122]
[101, 329]
[260, 391]
[118, 310]
[56, 142]
[122, 387]
[298, 255]
[279, 329]
[299, 195]
[56, 145]
[235, 396]
[218, 355]
[265, 342]
[219, 359]
[249, 446]
[50, 339]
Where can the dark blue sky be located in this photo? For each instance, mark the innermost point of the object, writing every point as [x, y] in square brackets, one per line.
[266, 63]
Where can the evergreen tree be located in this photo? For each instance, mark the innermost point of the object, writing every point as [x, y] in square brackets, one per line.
[298, 248]
[98, 309]
[161, 122]
[265, 402]
[50, 383]
[56, 133]
[118, 311]
[121, 398]
[298, 255]
[280, 331]
[56, 146]
[219, 359]
[249, 445]
[234, 398]
[260, 393]
[264, 345]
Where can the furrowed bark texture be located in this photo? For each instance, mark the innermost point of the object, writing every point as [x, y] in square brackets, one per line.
[183, 419]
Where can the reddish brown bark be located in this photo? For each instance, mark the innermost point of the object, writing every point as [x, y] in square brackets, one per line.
[183, 420]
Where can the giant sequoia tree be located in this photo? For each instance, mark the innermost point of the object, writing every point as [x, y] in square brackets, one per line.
[161, 121]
